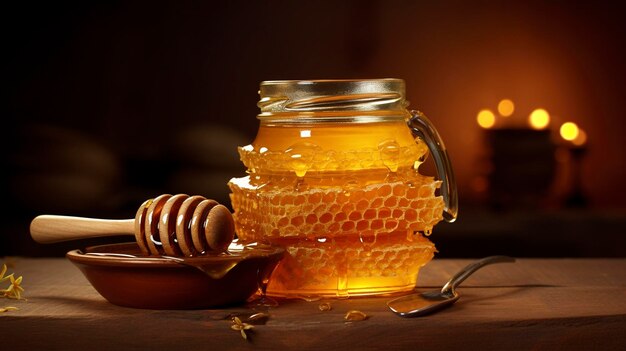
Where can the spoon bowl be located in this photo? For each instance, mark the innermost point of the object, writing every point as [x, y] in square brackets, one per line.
[419, 304]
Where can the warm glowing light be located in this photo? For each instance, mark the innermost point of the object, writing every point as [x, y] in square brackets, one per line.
[569, 131]
[506, 108]
[305, 134]
[486, 119]
[581, 139]
[539, 119]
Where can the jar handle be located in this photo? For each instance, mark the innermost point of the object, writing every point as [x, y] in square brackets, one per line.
[421, 127]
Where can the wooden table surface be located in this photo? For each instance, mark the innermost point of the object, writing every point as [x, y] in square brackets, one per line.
[532, 304]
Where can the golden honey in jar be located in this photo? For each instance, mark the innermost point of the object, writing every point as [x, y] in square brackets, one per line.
[333, 176]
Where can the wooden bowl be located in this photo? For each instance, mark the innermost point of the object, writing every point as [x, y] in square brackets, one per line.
[125, 277]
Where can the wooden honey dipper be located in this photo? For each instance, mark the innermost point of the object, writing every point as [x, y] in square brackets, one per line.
[174, 225]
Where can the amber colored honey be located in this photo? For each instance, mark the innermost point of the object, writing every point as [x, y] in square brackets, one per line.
[345, 200]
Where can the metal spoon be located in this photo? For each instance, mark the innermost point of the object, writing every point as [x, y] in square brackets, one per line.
[414, 305]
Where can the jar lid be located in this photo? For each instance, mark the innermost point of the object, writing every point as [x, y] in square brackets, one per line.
[333, 95]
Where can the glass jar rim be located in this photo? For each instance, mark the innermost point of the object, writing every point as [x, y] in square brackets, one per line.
[384, 96]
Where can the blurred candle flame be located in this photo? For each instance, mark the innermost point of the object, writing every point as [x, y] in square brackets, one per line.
[506, 107]
[571, 132]
[486, 119]
[539, 119]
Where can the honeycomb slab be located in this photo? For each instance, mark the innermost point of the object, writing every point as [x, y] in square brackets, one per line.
[341, 240]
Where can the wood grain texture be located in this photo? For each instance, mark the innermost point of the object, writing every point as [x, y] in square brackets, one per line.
[47, 229]
[538, 304]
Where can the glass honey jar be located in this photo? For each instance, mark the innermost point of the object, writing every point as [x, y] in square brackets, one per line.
[333, 177]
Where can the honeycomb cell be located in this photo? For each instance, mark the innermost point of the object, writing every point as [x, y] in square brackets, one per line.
[410, 215]
[377, 202]
[369, 213]
[325, 217]
[412, 192]
[348, 226]
[349, 207]
[377, 224]
[403, 202]
[311, 219]
[384, 190]
[399, 190]
[391, 225]
[297, 221]
[340, 217]
[384, 213]
[426, 191]
[391, 202]
[354, 216]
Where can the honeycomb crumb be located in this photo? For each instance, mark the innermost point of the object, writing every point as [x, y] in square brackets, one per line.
[355, 315]
[325, 306]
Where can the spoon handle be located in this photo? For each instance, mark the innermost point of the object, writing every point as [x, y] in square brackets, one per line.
[459, 277]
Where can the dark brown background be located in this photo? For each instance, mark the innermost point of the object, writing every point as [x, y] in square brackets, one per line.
[110, 104]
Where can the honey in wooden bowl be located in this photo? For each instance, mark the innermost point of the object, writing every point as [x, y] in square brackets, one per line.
[125, 276]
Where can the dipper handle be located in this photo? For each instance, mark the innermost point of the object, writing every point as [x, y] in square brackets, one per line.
[47, 229]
